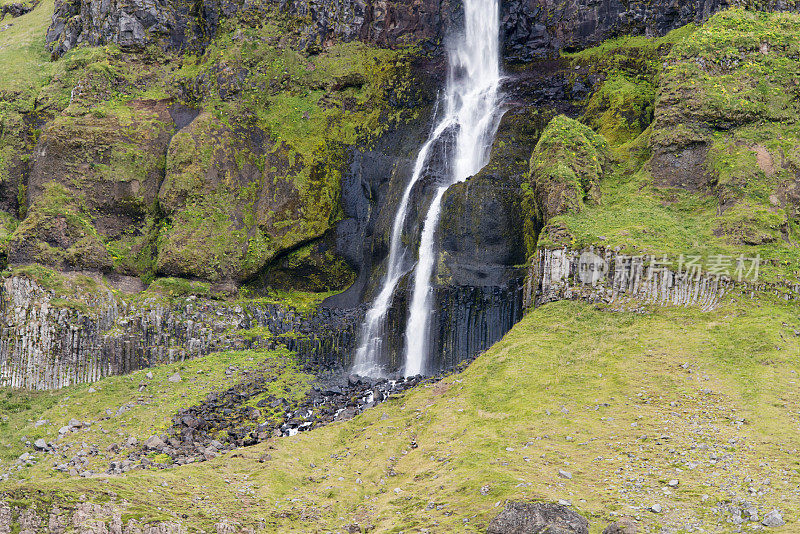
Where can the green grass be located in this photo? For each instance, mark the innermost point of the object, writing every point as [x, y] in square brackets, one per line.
[25, 60]
[570, 387]
[643, 219]
[302, 301]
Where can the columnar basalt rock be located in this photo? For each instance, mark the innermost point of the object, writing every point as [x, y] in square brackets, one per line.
[46, 344]
[82, 517]
[629, 282]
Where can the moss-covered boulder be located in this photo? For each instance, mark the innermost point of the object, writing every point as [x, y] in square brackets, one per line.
[59, 232]
[234, 198]
[566, 167]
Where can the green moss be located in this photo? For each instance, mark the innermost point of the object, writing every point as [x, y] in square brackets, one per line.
[751, 224]
[565, 170]
[59, 216]
[312, 268]
[621, 109]
[178, 288]
[302, 301]
[629, 67]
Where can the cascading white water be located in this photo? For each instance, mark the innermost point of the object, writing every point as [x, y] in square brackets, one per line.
[471, 107]
[472, 101]
[370, 346]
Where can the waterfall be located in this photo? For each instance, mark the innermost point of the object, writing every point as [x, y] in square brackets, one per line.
[368, 359]
[471, 112]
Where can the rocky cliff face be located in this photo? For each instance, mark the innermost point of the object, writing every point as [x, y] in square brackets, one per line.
[531, 29]
[540, 28]
[180, 25]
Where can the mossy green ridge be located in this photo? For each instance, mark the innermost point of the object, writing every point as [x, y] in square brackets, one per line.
[605, 396]
[715, 174]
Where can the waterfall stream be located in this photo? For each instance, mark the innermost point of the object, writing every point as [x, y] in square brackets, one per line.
[471, 108]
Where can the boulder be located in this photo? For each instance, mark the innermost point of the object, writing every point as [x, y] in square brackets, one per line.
[534, 517]
[154, 443]
[566, 167]
[623, 526]
[773, 519]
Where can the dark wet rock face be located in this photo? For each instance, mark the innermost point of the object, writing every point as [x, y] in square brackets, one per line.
[535, 517]
[531, 29]
[535, 29]
[173, 24]
[179, 25]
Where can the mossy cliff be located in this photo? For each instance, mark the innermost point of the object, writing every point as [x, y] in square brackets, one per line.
[713, 176]
[204, 161]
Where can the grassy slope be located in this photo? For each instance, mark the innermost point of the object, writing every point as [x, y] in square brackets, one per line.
[148, 411]
[26, 62]
[675, 381]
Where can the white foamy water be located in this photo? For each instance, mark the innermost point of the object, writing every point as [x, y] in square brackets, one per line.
[471, 106]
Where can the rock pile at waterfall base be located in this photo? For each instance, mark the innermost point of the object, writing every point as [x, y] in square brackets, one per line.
[228, 420]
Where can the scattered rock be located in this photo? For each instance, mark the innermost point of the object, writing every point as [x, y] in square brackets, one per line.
[623, 526]
[154, 443]
[175, 378]
[564, 474]
[526, 517]
[656, 508]
[41, 444]
[773, 519]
